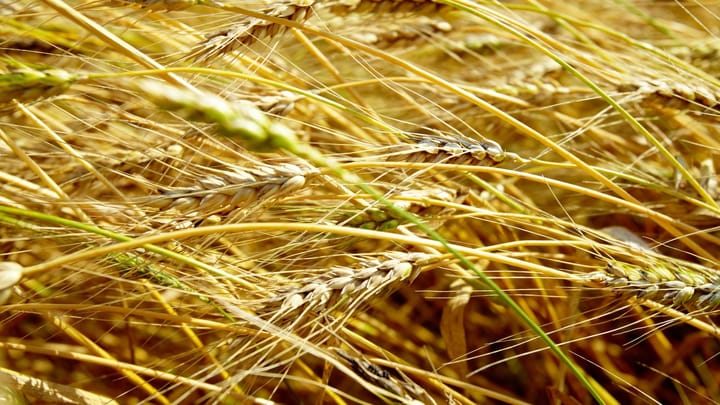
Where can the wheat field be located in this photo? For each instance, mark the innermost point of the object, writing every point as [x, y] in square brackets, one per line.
[359, 202]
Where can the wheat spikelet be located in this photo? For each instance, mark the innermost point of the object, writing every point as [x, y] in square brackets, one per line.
[691, 93]
[402, 33]
[381, 378]
[10, 8]
[276, 103]
[45, 391]
[451, 150]
[701, 53]
[416, 201]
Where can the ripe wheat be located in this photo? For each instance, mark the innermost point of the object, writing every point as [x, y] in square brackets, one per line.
[460, 113]
[233, 189]
[345, 285]
[673, 287]
[249, 30]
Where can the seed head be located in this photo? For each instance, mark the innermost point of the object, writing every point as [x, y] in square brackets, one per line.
[241, 120]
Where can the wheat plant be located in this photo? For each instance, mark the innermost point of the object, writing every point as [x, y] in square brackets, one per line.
[341, 202]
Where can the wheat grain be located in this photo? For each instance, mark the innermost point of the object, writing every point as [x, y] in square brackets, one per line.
[10, 275]
[708, 177]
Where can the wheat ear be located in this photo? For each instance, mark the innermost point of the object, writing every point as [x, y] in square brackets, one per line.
[242, 120]
[666, 285]
[345, 285]
[26, 84]
[237, 188]
[249, 30]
